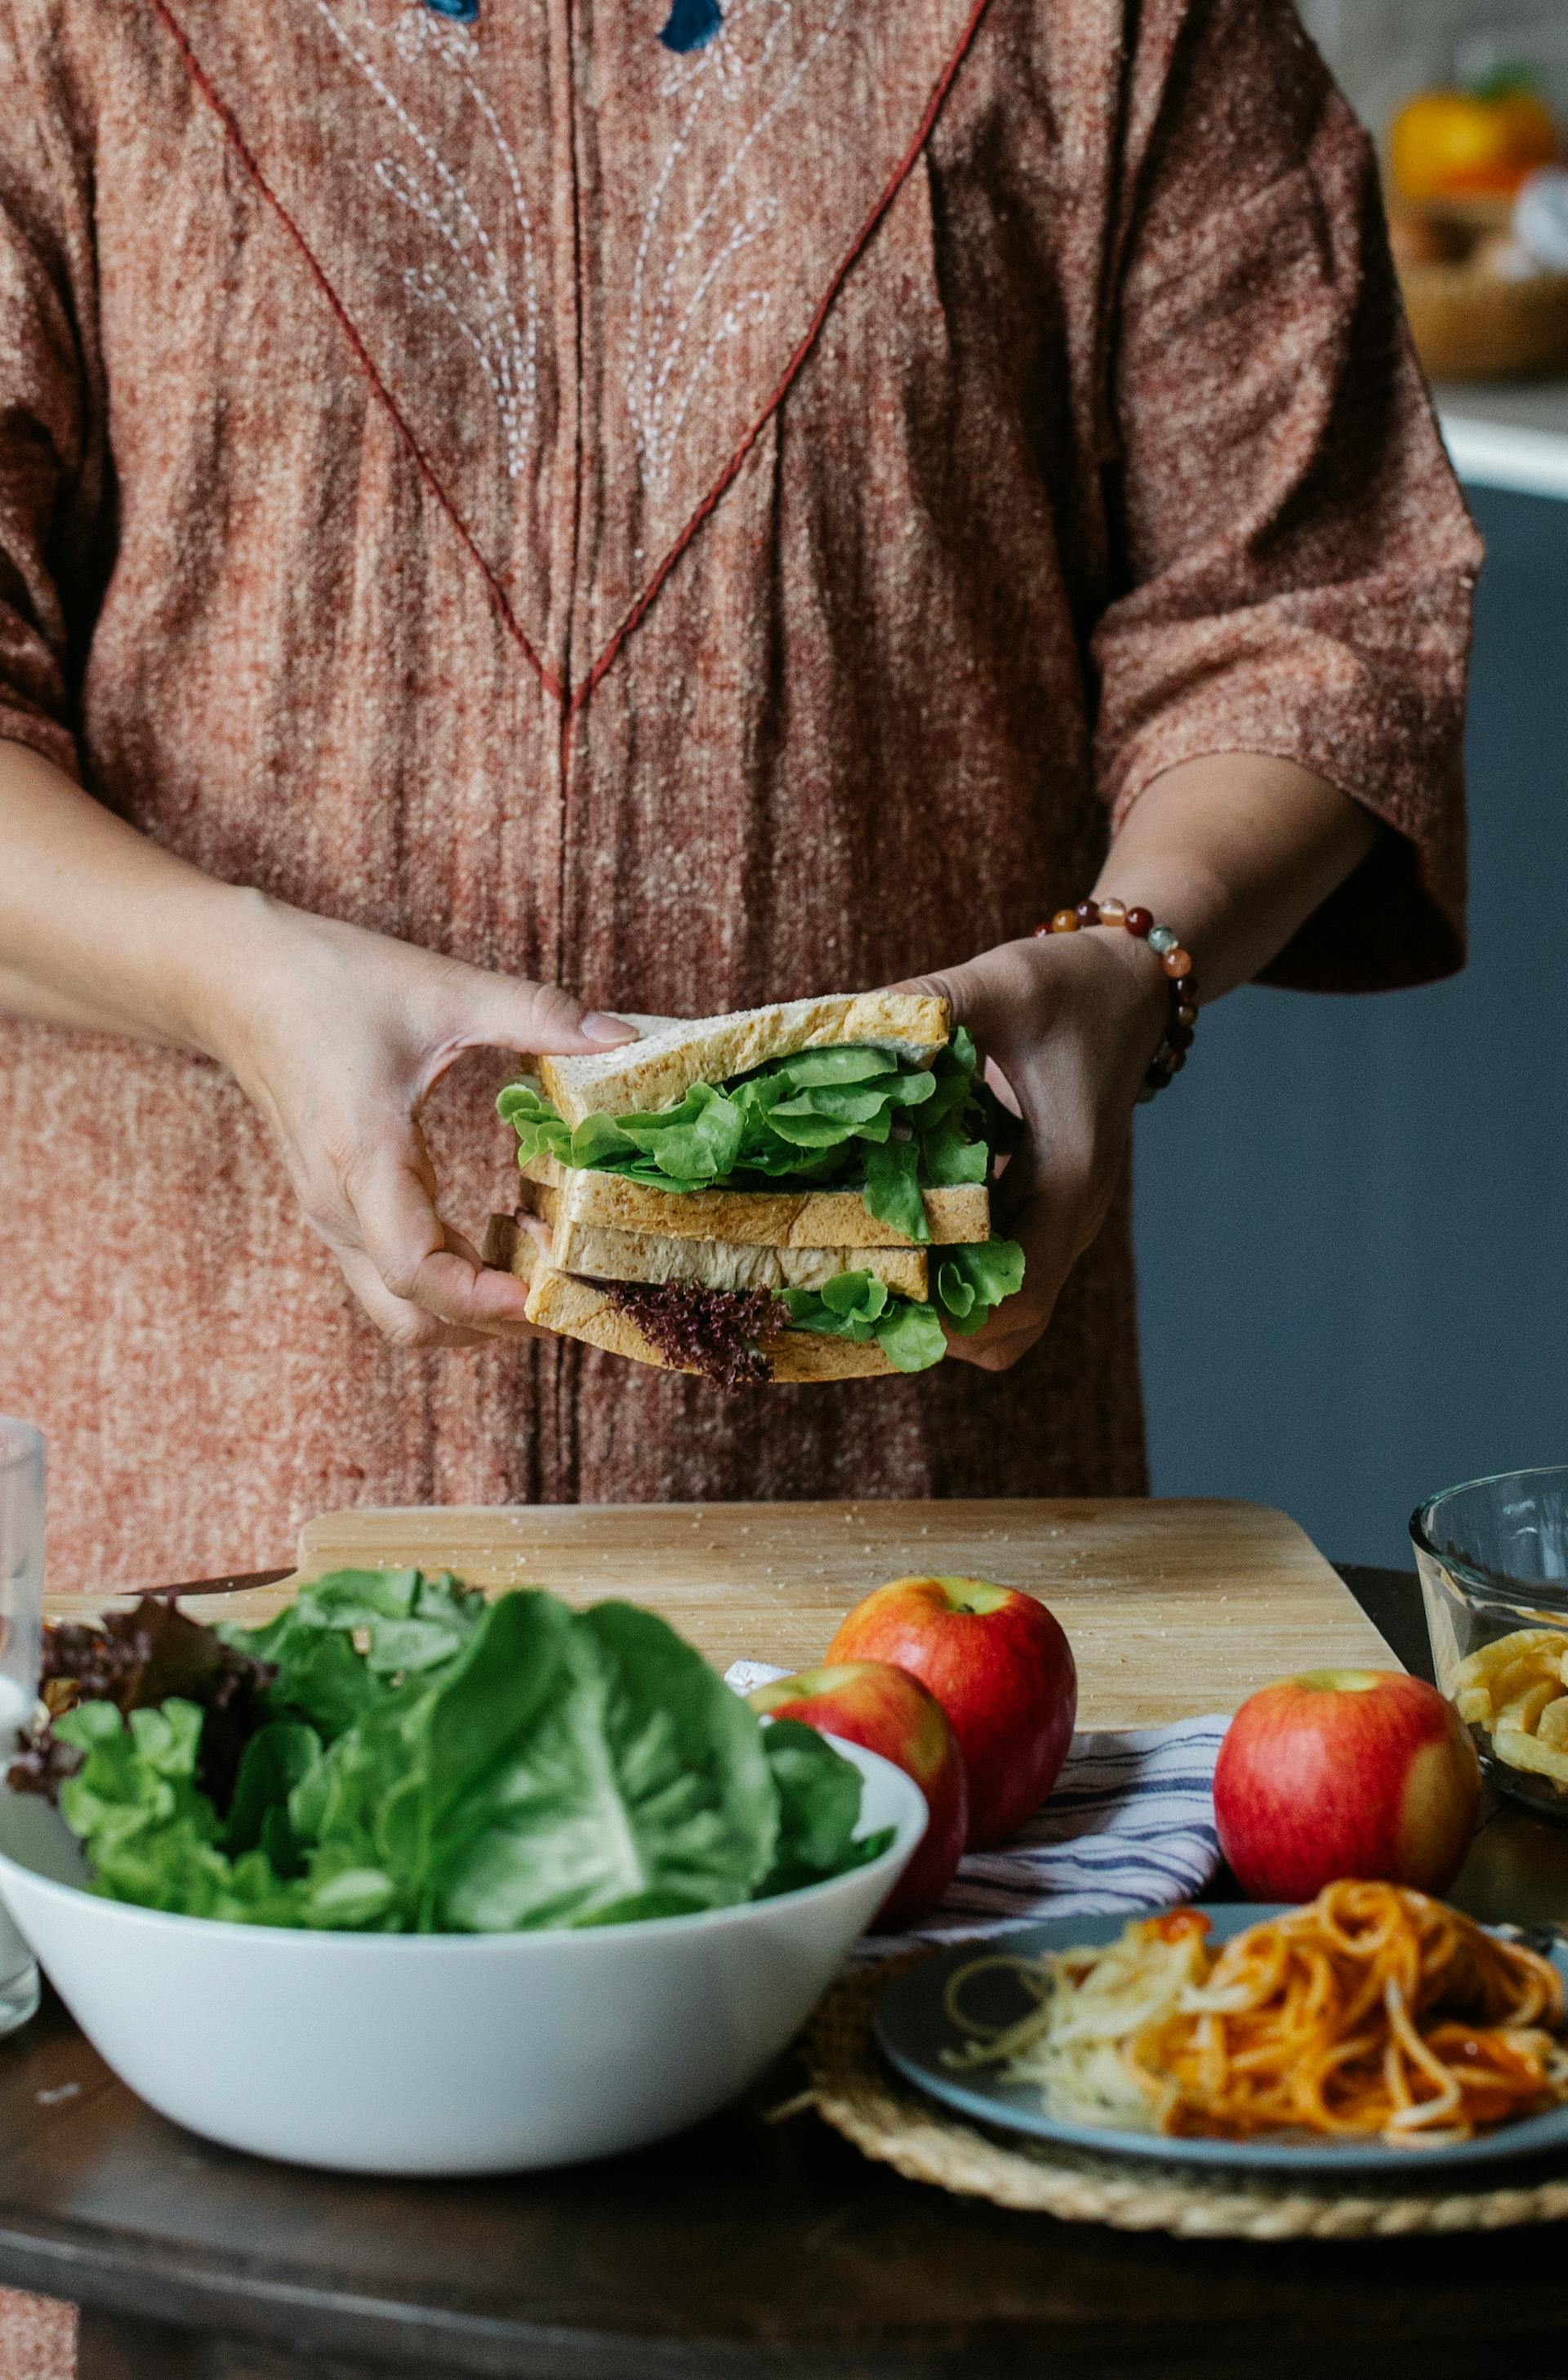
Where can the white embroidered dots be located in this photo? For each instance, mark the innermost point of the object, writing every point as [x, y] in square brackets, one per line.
[700, 283]
[683, 316]
[472, 287]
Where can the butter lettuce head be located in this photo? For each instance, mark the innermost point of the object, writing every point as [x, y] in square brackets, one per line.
[857, 1118]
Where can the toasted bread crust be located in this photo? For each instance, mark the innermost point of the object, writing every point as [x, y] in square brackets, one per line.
[576, 1309]
[674, 1052]
[587, 1249]
[771, 1219]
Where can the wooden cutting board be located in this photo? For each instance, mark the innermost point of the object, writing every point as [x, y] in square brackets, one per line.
[1172, 1607]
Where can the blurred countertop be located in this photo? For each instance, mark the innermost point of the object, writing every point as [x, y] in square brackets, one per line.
[1507, 434]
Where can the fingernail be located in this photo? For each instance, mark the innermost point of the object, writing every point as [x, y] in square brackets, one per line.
[597, 1027]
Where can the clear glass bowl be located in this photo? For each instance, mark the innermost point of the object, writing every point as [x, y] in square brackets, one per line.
[1493, 1558]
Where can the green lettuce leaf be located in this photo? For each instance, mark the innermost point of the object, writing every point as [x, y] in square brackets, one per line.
[598, 1141]
[819, 1069]
[893, 1187]
[634, 1788]
[150, 1835]
[276, 1759]
[819, 1799]
[499, 1765]
[948, 1157]
[410, 1622]
[698, 1139]
[848, 1306]
[969, 1283]
[857, 1297]
[540, 1131]
[912, 1337]
[857, 1117]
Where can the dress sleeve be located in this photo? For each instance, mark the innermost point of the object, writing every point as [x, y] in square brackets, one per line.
[1294, 564]
[52, 449]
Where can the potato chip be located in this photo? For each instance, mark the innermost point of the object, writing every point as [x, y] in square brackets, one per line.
[1511, 1691]
[1522, 1710]
[1515, 1678]
[1483, 1664]
[1522, 1750]
[1552, 1725]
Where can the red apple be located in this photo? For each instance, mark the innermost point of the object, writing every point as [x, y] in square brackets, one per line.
[1001, 1667]
[890, 1712]
[1345, 1772]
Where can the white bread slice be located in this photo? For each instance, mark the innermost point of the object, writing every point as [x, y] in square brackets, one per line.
[726, 1264]
[677, 1051]
[768, 1219]
[559, 1302]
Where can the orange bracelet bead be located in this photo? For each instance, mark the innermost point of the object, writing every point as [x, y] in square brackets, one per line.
[1176, 1040]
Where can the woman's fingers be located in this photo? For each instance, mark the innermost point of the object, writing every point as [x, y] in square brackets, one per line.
[338, 1051]
[388, 1187]
[1047, 1240]
[404, 1324]
[501, 1012]
[996, 996]
[1067, 1024]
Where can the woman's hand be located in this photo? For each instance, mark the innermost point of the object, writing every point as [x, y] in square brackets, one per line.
[1070, 1022]
[338, 1037]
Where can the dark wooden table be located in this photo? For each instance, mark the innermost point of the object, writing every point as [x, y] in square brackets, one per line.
[742, 2249]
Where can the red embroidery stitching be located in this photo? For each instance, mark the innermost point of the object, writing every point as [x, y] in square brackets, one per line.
[572, 702]
[363, 356]
[725, 481]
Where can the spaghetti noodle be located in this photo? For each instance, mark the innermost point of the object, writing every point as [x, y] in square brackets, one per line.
[1374, 2012]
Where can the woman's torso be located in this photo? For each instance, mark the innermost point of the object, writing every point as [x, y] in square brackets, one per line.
[608, 514]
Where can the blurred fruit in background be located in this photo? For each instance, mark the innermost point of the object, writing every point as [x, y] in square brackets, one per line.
[1478, 226]
[1418, 239]
[1451, 144]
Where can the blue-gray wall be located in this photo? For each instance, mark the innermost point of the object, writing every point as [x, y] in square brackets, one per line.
[1351, 1211]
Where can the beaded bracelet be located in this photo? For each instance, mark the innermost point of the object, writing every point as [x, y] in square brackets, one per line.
[1176, 1040]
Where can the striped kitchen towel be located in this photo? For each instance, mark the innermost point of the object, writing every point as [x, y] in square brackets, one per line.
[1129, 1826]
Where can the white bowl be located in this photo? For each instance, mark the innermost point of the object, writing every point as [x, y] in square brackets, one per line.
[454, 2052]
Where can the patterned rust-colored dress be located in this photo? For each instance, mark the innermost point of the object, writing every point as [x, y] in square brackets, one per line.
[706, 526]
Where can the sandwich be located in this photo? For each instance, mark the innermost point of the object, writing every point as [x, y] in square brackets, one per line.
[792, 1193]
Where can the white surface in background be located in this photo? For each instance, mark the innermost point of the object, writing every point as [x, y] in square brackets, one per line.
[1490, 454]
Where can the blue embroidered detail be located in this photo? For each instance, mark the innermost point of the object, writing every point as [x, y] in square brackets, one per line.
[691, 24]
[464, 10]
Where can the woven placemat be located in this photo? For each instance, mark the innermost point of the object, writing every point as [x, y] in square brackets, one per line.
[858, 2094]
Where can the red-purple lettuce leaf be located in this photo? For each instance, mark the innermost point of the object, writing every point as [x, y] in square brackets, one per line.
[138, 1660]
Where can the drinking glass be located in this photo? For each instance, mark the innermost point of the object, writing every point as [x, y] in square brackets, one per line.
[21, 1631]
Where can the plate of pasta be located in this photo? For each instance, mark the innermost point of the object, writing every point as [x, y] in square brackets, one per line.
[1372, 2029]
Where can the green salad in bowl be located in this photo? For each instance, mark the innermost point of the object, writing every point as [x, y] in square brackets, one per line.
[414, 1881]
[396, 1754]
